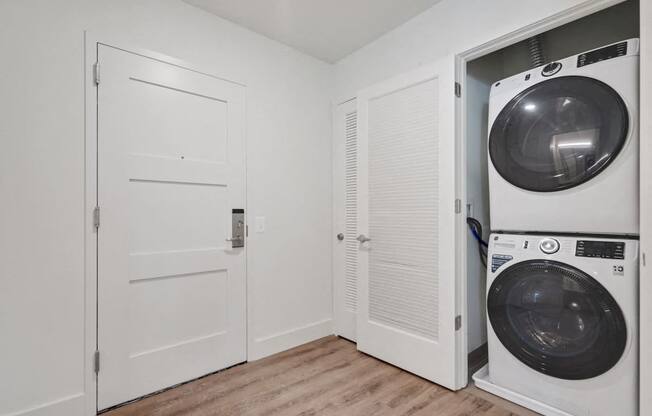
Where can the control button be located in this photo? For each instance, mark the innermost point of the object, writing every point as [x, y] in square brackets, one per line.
[551, 69]
[549, 245]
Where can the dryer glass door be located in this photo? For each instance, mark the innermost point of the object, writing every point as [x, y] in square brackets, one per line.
[558, 133]
[557, 319]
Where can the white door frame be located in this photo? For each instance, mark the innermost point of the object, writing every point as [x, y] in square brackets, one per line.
[569, 15]
[91, 42]
[645, 321]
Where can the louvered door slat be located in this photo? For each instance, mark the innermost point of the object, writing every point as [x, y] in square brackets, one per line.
[345, 184]
[403, 203]
[351, 213]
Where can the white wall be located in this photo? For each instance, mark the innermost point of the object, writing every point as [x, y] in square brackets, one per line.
[42, 181]
[449, 27]
[593, 31]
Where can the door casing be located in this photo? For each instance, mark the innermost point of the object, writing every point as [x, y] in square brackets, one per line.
[645, 290]
[461, 59]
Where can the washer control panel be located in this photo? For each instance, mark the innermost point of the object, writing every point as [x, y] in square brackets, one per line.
[600, 249]
[498, 260]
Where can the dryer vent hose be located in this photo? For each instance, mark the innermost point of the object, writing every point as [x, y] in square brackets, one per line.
[535, 46]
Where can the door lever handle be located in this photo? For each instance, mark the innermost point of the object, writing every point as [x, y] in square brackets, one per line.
[363, 238]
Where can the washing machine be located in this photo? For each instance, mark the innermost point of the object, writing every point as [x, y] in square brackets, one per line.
[563, 145]
[562, 322]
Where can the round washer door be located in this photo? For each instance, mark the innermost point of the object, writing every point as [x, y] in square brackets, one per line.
[558, 133]
[556, 319]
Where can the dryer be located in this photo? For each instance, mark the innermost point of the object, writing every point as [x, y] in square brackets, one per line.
[563, 326]
[563, 145]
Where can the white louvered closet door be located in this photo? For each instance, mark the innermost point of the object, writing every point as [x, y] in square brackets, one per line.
[345, 249]
[406, 207]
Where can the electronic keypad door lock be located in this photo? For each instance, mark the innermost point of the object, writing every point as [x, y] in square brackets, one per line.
[237, 228]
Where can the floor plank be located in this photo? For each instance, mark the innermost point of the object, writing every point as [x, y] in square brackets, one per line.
[326, 377]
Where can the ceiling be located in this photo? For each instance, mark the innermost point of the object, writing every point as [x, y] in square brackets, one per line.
[326, 29]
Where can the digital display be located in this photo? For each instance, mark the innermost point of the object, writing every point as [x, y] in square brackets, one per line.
[608, 52]
[601, 249]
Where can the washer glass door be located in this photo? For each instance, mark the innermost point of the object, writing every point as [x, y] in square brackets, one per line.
[558, 133]
[557, 319]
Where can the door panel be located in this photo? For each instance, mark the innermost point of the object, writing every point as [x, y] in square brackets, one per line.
[406, 198]
[345, 251]
[171, 289]
[403, 205]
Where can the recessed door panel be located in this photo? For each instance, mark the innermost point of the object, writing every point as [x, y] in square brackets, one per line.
[152, 205]
[403, 209]
[168, 311]
[168, 121]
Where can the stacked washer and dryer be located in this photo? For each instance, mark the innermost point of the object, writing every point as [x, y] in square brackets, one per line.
[562, 278]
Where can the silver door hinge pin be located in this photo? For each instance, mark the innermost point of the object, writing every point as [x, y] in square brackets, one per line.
[96, 362]
[96, 217]
[458, 206]
[458, 89]
[458, 322]
[96, 73]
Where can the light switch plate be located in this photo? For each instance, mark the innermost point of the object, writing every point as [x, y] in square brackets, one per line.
[260, 224]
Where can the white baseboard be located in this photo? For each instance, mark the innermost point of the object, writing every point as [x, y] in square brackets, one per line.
[266, 346]
[65, 406]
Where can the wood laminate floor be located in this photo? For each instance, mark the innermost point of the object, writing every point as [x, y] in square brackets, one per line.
[325, 377]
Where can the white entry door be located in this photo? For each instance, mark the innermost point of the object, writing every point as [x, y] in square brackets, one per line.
[171, 288]
[406, 210]
[345, 245]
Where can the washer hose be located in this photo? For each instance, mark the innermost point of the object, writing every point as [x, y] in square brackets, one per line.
[476, 230]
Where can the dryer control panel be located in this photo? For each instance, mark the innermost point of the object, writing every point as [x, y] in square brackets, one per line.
[600, 249]
[597, 55]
